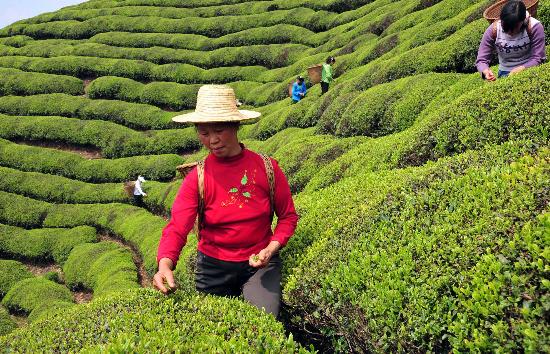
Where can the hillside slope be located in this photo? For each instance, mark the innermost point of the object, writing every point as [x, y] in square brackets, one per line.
[423, 191]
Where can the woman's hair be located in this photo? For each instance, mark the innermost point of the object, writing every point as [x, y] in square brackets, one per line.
[512, 13]
[330, 60]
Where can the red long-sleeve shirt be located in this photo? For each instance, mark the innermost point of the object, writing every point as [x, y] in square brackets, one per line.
[237, 209]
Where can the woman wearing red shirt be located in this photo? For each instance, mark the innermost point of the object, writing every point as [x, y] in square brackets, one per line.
[237, 250]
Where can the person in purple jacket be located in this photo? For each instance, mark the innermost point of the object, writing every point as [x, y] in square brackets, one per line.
[518, 39]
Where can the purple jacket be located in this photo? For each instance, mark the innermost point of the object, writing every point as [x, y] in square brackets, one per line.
[513, 51]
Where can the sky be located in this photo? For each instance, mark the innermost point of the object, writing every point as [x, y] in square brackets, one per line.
[15, 10]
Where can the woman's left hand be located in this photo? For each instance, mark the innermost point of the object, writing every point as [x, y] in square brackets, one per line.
[263, 257]
[517, 69]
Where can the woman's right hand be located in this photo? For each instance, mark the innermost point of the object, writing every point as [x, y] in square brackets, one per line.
[489, 75]
[165, 274]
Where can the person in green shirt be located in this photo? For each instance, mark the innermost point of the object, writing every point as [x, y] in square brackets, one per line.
[326, 74]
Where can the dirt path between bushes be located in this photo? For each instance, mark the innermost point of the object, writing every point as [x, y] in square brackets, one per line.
[39, 269]
[89, 153]
[20, 321]
[86, 82]
[143, 278]
[80, 296]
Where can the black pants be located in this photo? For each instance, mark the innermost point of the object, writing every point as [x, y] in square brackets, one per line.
[260, 287]
[324, 87]
[138, 201]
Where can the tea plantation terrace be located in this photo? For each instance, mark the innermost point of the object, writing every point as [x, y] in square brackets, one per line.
[423, 191]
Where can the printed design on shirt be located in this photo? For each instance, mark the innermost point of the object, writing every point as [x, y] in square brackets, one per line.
[508, 48]
[243, 193]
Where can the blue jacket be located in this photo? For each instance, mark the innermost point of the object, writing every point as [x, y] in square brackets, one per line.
[297, 89]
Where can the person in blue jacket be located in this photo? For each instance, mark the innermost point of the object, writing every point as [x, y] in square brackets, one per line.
[298, 89]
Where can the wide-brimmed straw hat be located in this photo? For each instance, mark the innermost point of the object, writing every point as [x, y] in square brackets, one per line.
[216, 103]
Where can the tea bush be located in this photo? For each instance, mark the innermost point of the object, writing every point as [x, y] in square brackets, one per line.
[164, 94]
[16, 41]
[445, 18]
[391, 107]
[365, 39]
[211, 27]
[148, 40]
[438, 12]
[467, 108]
[161, 196]
[426, 235]
[137, 227]
[48, 309]
[103, 267]
[14, 272]
[11, 272]
[126, 322]
[84, 67]
[70, 165]
[330, 215]
[57, 189]
[174, 11]
[270, 56]
[513, 112]
[216, 5]
[63, 190]
[17, 82]
[503, 302]
[17, 210]
[277, 34]
[112, 139]
[303, 158]
[543, 14]
[7, 325]
[81, 66]
[331, 110]
[257, 94]
[282, 115]
[391, 272]
[132, 115]
[456, 53]
[279, 140]
[270, 124]
[43, 245]
[27, 294]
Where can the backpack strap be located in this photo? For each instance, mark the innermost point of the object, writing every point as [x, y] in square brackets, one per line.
[529, 28]
[271, 179]
[494, 30]
[186, 168]
[200, 209]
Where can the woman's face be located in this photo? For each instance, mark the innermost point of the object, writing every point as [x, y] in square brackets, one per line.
[219, 138]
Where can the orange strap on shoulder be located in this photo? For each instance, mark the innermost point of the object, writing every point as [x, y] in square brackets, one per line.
[271, 179]
[200, 211]
[529, 28]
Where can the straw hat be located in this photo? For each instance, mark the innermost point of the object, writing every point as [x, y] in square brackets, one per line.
[216, 103]
[492, 13]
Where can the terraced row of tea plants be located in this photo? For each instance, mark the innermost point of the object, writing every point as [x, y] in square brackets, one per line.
[423, 191]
